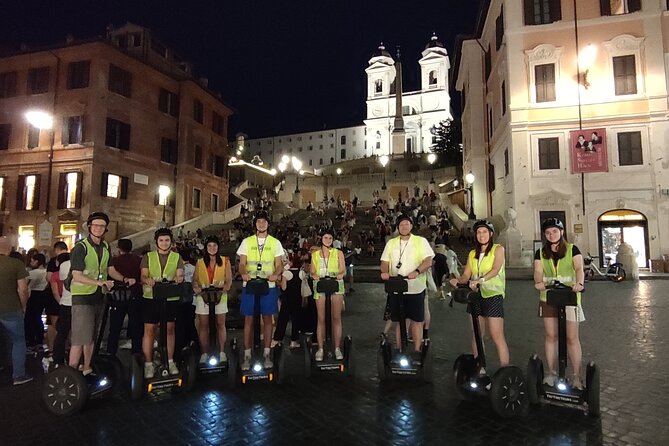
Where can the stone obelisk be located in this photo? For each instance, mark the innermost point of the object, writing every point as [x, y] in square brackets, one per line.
[399, 134]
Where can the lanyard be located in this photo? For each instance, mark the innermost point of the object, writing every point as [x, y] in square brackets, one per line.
[260, 251]
[325, 258]
[399, 261]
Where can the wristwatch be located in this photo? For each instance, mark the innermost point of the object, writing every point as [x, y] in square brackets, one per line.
[482, 279]
[418, 271]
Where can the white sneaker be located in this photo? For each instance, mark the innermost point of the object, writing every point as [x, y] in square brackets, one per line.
[319, 355]
[246, 364]
[203, 358]
[174, 370]
[338, 354]
[149, 370]
[550, 379]
[268, 364]
[222, 357]
[576, 382]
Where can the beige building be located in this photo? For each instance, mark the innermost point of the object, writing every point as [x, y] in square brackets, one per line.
[565, 114]
[129, 119]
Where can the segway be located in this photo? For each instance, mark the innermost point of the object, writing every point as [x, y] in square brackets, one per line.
[259, 287]
[66, 390]
[505, 389]
[397, 362]
[562, 393]
[162, 379]
[212, 296]
[328, 286]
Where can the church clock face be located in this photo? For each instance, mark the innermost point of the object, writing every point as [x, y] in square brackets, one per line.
[376, 111]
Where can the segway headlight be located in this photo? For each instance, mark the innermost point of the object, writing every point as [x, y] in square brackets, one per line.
[257, 367]
[473, 385]
[103, 382]
[404, 362]
[213, 361]
[562, 387]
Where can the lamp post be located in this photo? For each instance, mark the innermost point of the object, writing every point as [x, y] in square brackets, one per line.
[431, 158]
[339, 171]
[384, 161]
[163, 194]
[297, 165]
[44, 121]
[469, 178]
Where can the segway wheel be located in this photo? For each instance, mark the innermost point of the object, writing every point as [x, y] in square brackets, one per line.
[136, 377]
[349, 360]
[616, 273]
[508, 394]
[463, 369]
[306, 343]
[109, 367]
[428, 363]
[65, 391]
[233, 364]
[189, 372]
[535, 377]
[280, 364]
[592, 389]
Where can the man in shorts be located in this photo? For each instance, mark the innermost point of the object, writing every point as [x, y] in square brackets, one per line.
[410, 256]
[90, 260]
[260, 256]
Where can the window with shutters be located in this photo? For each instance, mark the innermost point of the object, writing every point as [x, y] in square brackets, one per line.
[506, 162]
[120, 81]
[7, 84]
[544, 82]
[2, 194]
[624, 74]
[33, 137]
[28, 192]
[488, 63]
[503, 93]
[217, 124]
[198, 111]
[617, 7]
[342, 154]
[549, 153]
[197, 193]
[539, 12]
[168, 150]
[198, 157]
[5, 134]
[214, 203]
[491, 177]
[69, 190]
[78, 74]
[114, 186]
[118, 134]
[38, 80]
[499, 29]
[219, 166]
[629, 149]
[73, 130]
[168, 102]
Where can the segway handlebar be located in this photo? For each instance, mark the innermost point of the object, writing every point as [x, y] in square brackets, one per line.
[327, 285]
[396, 285]
[559, 294]
[211, 295]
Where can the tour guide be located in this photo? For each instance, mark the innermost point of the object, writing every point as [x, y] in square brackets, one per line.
[259, 256]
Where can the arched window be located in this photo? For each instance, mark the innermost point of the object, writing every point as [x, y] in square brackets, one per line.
[378, 86]
[432, 77]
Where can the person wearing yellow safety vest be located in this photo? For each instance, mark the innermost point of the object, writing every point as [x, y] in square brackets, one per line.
[260, 256]
[328, 262]
[560, 261]
[157, 265]
[212, 269]
[90, 270]
[410, 256]
[485, 271]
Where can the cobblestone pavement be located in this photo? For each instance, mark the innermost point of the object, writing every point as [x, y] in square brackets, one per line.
[623, 335]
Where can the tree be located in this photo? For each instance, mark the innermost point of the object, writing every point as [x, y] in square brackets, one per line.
[447, 137]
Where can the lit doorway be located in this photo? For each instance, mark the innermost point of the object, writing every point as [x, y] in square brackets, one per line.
[623, 225]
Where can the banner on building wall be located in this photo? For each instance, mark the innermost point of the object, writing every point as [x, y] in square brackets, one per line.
[589, 150]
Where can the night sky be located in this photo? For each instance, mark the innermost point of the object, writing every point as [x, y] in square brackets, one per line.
[285, 66]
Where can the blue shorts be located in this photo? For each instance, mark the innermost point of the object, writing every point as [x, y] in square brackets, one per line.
[269, 303]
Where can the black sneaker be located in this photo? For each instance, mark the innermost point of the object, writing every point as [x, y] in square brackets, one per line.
[22, 380]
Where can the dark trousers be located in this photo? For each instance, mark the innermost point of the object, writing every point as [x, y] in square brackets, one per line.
[291, 307]
[135, 330]
[184, 330]
[34, 327]
[63, 327]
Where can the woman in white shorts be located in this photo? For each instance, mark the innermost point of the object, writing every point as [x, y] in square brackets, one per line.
[559, 261]
[212, 270]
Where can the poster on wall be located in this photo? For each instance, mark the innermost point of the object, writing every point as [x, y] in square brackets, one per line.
[589, 150]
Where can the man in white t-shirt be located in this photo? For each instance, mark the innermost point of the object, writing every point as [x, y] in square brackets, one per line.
[260, 256]
[64, 322]
[409, 256]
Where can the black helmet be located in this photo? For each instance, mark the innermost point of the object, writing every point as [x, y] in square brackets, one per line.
[403, 217]
[552, 222]
[212, 239]
[161, 232]
[97, 216]
[327, 230]
[483, 224]
[261, 214]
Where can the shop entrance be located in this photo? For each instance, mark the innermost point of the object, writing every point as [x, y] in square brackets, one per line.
[623, 225]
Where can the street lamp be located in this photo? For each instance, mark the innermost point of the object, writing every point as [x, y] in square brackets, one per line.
[431, 158]
[163, 194]
[339, 171]
[44, 121]
[384, 161]
[469, 178]
[297, 165]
